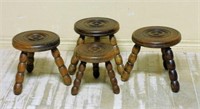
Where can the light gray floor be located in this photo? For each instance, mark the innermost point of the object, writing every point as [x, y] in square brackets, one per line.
[147, 88]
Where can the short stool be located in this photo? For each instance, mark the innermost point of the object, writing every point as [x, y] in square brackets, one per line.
[97, 28]
[30, 42]
[156, 37]
[95, 53]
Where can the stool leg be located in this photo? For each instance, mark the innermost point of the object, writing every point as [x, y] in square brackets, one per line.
[131, 60]
[113, 80]
[163, 56]
[20, 73]
[74, 60]
[60, 63]
[118, 57]
[30, 61]
[79, 76]
[170, 65]
[96, 70]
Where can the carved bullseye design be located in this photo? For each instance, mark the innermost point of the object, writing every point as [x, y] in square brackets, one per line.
[36, 37]
[157, 32]
[95, 49]
[96, 23]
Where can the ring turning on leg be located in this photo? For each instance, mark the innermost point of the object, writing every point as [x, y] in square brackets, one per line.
[60, 63]
[170, 65]
[20, 73]
[131, 60]
[113, 80]
[79, 76]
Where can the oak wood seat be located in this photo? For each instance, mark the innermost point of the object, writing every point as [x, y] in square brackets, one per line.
[156, 37]
[28, 43]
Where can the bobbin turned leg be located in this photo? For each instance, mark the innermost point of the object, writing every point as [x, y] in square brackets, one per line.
[30, 61]
[131, 60]
[170, 65]
[20, 73]
[74, 60]
[60, 63]
[118, 57]
[163, 56]
[113, 80]
[79, 76]
[96, 70]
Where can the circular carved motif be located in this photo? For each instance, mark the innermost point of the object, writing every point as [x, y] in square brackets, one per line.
[94, 49]
[96, 23]
[157, 32]
[36, 37]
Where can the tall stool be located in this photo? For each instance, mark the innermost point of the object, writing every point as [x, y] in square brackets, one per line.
[156, 37]
[97, 27]
[95, 53]
[30, 42]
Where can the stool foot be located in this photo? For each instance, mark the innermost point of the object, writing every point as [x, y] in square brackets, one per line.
[113, 80]
[79, 76]
[170, 65]
[96, 70]
[131, 60]
[118, 57]
[30, 61]
[20, 73]
[62, 69]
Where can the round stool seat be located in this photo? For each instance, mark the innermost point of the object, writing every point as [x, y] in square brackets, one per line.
[95, 52]
[96, 26]
[36, 40]
[156, 37]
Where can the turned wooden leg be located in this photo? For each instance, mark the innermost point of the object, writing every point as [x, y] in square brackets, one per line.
[96, 70]
[79, 76]
[20, 73]
[163, 56]
[118, 57]
[74, 60]
[170, 65]
[131, 60]
[60, 63]
[30, 61]
[113, 80]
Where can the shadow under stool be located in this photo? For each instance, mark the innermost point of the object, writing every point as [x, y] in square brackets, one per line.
[156, 37]
[28, 43]
[95, 53]
[97, 28]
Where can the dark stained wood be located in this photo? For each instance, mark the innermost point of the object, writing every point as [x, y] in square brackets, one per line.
[36, 40]
[96, 26]
[118, 57]
[170, 65]
[60, 63]
[79, 76]
[20, 73]
[30, 42]
[131, 60]
[113, 80]
[96, 70]
[30, 61]
[74, 60]
[156, 37]
[95, 52]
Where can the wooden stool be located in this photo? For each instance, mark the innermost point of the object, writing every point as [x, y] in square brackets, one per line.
[95, 53]
[156, 37]
[97, 27]
[35, 41]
